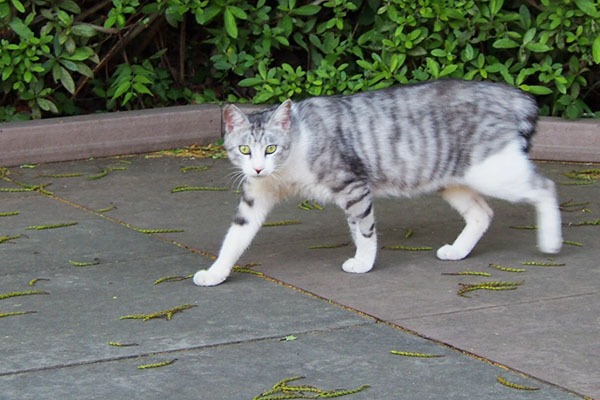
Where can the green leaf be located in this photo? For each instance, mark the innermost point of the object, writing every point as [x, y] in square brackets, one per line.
[69, 5]
[47, 105]
[207, 14]
[84, 70]
[529, 35]
[142, 79]
[230, 24]
[495, 6]
[122, 88]
[84, 30]
[365, 64]
[18, 5]
[596, 50]
[306, 10]
[536, 89]
[433, 67]
[588, 7]
[537, 47]
[20, 28]
[67, 80]
[140, 88]
[80, 54]
[4, 10]
[250, 82]
[110, 21]
[448, 69]
[68, 64]
[505, 43]
[238, 12]
[7, 72]
[262, 70]
[128, 96]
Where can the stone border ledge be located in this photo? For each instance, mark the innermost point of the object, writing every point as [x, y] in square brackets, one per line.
[110, 134]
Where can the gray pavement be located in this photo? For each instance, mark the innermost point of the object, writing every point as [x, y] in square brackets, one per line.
[340, 328]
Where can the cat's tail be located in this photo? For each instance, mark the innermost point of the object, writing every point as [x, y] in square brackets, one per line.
[527, 117]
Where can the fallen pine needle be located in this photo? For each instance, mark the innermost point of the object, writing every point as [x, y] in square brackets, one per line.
[117, 344]
[186, 188]
[167, 314]
[515, 386]
[282, 223]
[282, 390]
[406, 248]
[468, 273]
[501, 268]
[12, 314]
[53, 226]
[150, 231]
[412, 354]
[583, 223]
[7, 238]
[25, 293]
[157, 365]
[172, 279]
[34, 281]
[542, 264]
[329, 246]
[84, 264]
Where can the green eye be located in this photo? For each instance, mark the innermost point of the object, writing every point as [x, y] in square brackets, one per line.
[244, 149]
[271, 149]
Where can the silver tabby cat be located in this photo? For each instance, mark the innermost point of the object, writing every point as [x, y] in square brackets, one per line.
[464, 139]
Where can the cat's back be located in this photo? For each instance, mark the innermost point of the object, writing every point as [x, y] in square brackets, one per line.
[421, 132]
[443, 96]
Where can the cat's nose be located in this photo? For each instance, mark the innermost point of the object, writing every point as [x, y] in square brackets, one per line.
[258, 170]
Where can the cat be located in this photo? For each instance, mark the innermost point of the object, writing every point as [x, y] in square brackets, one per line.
[465, 139]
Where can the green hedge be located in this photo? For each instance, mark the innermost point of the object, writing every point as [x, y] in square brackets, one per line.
[70, 57]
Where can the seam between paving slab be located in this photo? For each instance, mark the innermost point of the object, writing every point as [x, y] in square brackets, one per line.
[548, 299]
[182, 350]
[282, 283]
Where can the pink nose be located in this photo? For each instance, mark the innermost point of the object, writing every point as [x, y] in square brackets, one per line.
[258, 170]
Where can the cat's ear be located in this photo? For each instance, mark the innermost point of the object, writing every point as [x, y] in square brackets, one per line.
[281, 118]
[234, 118]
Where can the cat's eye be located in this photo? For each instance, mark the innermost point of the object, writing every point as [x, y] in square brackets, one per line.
[270, 149]
[244, 149]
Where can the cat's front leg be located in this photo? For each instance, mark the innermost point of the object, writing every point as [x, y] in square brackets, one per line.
[250, 216]
[358, 206]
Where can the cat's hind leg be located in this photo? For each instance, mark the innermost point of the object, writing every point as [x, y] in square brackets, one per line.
[477, 215]
[510, 175]
[358, 207]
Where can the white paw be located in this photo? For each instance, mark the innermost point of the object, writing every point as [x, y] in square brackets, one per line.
[206, 277]
[551, 246]
[449, 252]
[355, 266]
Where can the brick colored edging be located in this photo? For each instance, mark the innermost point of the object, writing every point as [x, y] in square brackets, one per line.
[565, 140]
[102, 135]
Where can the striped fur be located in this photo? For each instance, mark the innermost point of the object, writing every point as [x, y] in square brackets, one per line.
[465, 139]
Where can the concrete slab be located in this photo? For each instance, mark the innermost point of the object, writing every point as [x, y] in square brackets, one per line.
[75, 322]
[344, 358]
[81, 315]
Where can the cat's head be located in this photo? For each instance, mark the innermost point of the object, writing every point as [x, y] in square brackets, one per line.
[257, 143]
